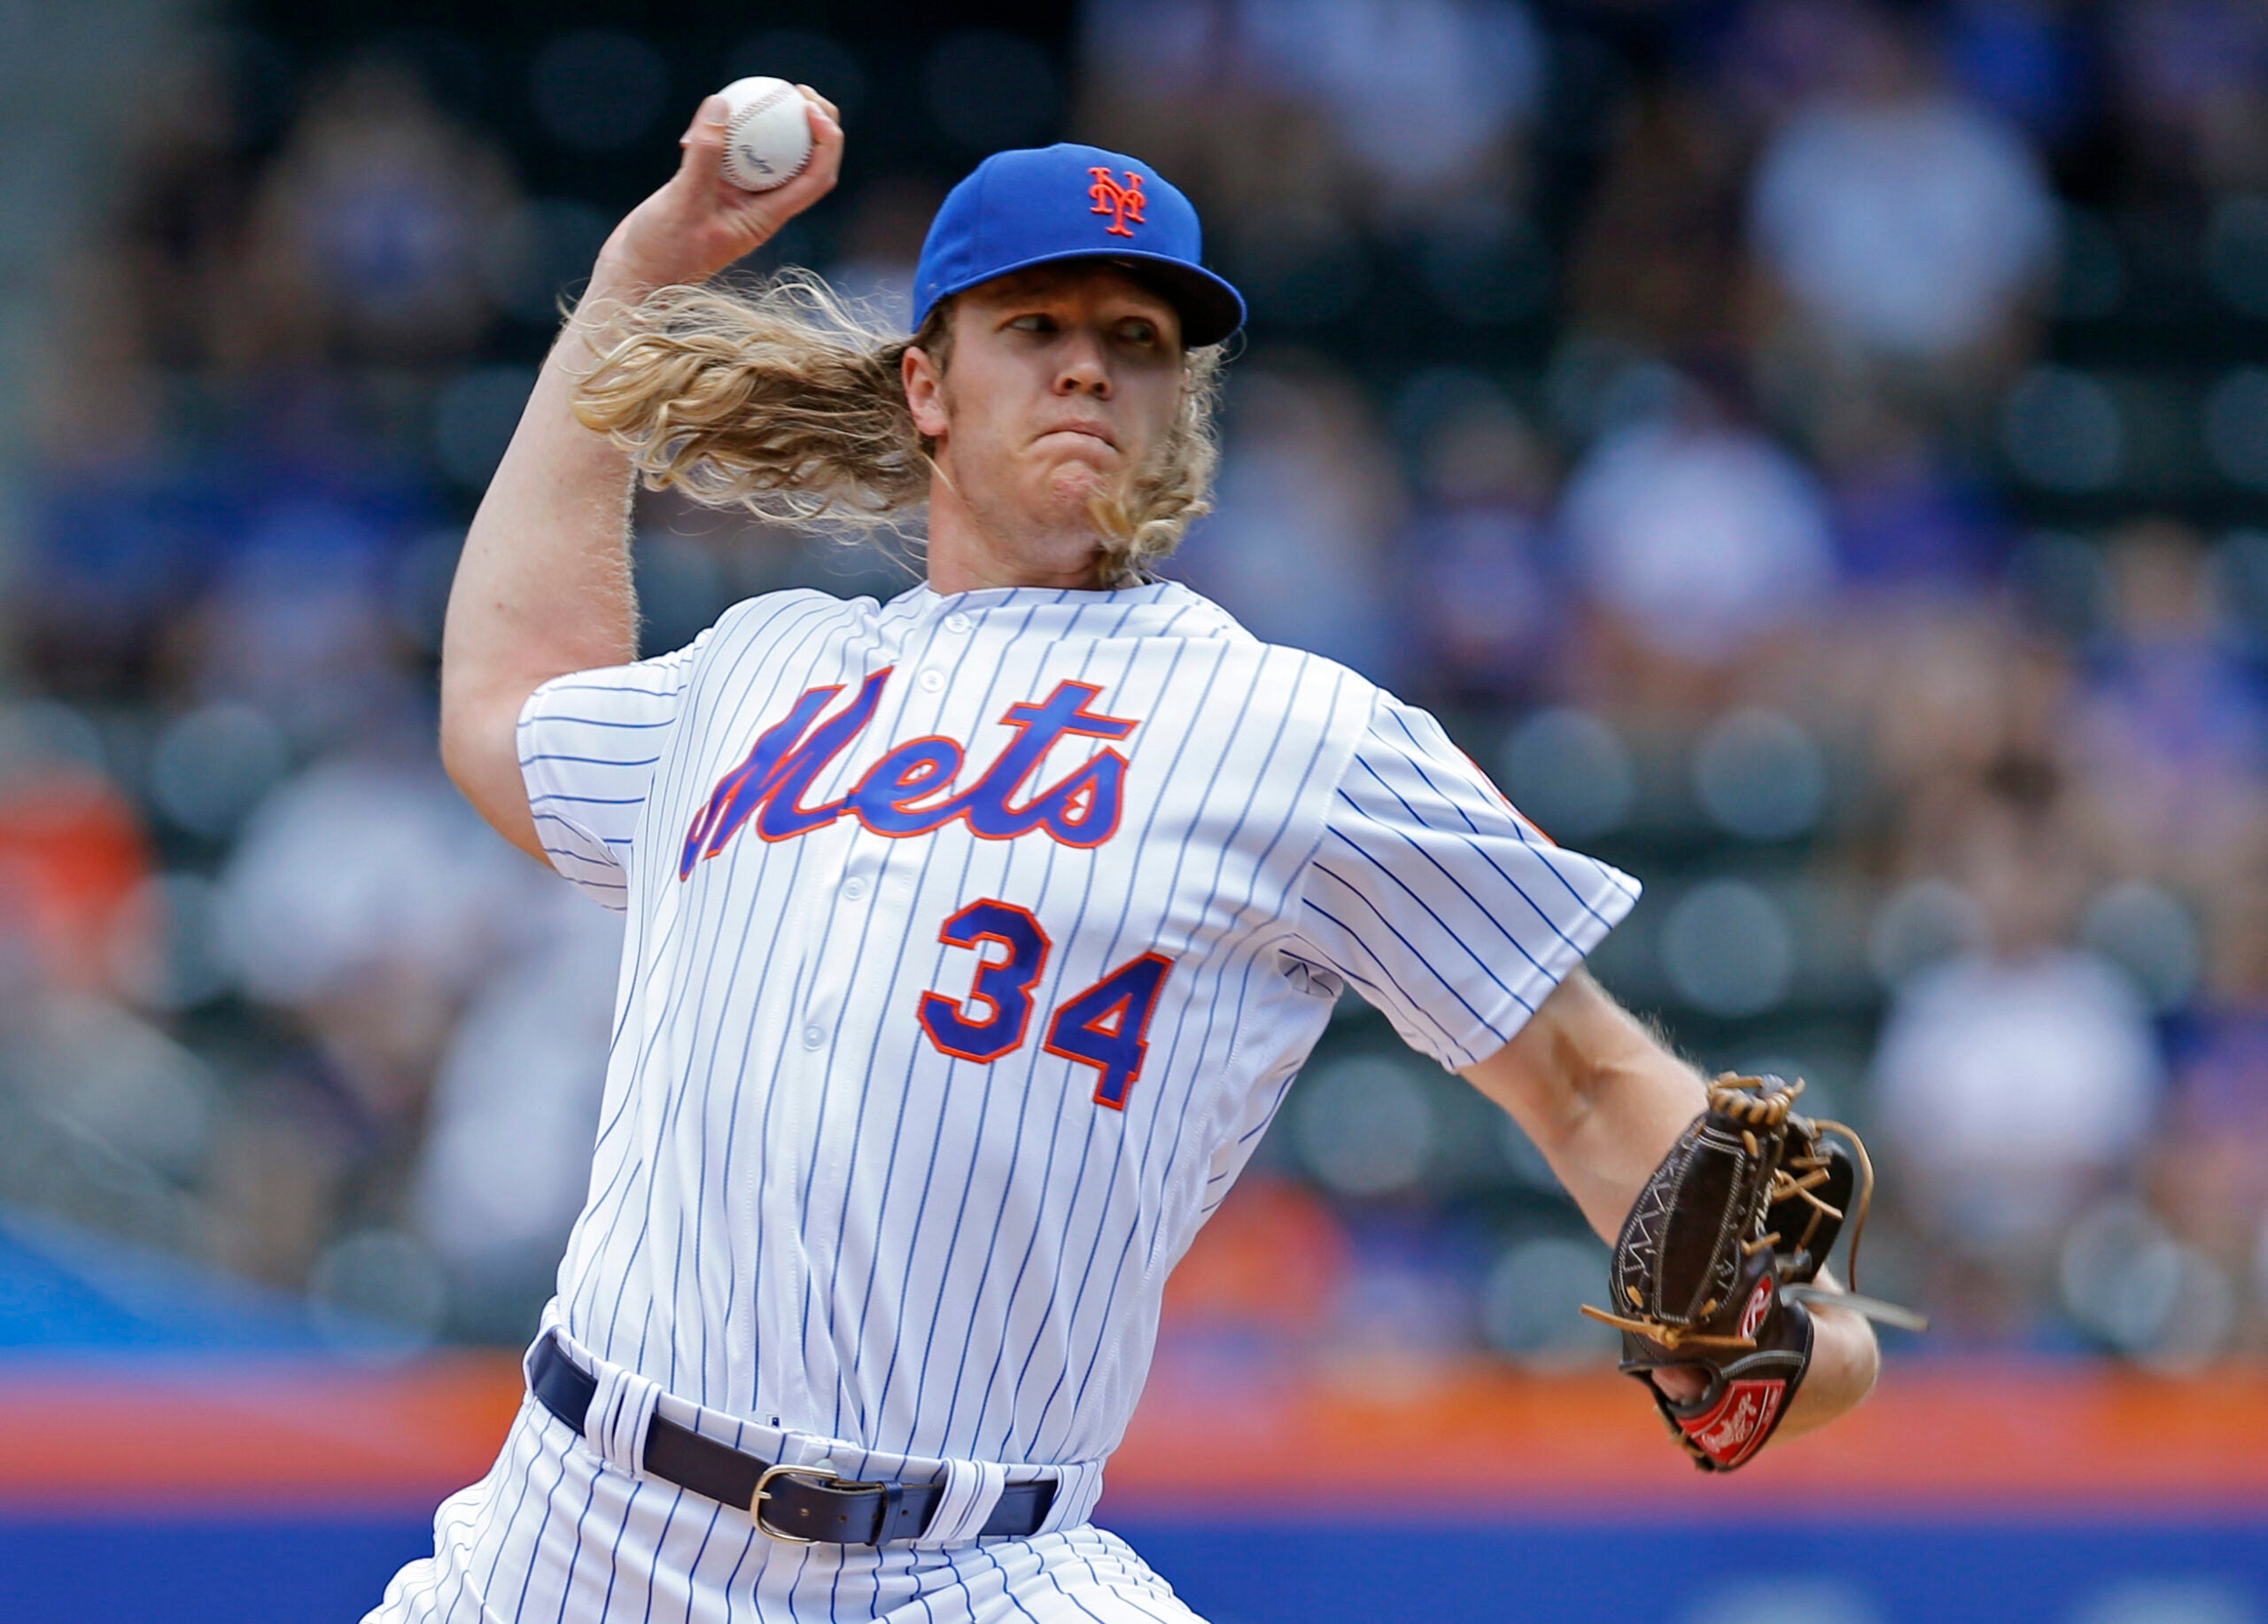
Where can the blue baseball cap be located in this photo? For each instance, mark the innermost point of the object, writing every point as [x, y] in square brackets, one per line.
[1038, 205]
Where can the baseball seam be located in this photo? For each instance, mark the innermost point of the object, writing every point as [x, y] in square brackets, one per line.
[734, 130]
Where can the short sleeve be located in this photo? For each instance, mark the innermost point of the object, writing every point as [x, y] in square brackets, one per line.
[589, 744]
[1436, 900]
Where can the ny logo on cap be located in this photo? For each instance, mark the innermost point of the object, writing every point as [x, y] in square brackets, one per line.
[1120, 203]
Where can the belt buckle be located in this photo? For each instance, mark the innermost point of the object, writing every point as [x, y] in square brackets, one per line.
[823, 1474]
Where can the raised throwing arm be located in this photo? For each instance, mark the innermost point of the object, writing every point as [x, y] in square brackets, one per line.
[543, 586]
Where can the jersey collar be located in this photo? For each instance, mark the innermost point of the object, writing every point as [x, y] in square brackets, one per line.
[924, 601]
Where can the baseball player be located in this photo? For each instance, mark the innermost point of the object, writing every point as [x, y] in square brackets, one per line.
[973, 937]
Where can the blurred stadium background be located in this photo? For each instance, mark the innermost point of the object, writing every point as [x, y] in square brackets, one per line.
[1813, 452]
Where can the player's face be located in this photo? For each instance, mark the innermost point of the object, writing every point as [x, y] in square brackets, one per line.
[1062, 380]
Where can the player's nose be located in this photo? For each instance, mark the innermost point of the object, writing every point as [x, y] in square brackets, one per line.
[1083, 367]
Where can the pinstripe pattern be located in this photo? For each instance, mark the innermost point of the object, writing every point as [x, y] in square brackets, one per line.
[1444, 907]
[805, 1213]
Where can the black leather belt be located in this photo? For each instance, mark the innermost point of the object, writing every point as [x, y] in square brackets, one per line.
[801, 1505]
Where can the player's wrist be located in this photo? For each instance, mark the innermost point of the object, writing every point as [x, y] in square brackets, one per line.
[1845, 1362]
[637, 261]
[666, 242]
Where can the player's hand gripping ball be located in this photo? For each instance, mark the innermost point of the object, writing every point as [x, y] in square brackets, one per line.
[767, 133]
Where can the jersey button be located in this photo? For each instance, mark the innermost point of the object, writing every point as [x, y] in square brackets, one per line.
[814, 1035]
[932, 681]
[955, 623]
[854, 888]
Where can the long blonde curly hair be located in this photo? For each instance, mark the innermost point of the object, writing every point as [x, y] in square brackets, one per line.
[789, 401]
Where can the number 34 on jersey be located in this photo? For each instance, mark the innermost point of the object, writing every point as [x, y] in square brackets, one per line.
[1104, 1026]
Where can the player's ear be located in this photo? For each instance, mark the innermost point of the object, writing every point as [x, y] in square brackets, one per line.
[921, 370]
[924, 381]
[924, 373]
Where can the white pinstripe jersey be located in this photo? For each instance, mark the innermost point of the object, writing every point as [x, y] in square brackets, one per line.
[972, 943]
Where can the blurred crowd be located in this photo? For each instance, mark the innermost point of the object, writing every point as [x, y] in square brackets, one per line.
[1808, 450]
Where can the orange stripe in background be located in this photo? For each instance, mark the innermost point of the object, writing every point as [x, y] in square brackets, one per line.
[2016, 1438]
[197, 1434]
[1939, 1436]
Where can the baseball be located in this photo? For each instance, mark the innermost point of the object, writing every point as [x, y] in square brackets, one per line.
[767, 133]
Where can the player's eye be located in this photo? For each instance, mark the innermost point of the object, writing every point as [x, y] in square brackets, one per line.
[1034, 322]
[1139, 330]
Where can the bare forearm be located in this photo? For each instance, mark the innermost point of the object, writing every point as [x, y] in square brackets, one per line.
[1599, 1096]
[544, 585]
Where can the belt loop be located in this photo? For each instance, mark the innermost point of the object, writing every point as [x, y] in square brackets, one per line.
[620, 1412]
[972, 1489]
[1078, 1487]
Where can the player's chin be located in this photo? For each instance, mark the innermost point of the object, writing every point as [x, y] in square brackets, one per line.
[1068, 483]
[1063, 455]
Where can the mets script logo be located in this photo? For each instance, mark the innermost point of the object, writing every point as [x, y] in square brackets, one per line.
[1120, 203]
[910, 791]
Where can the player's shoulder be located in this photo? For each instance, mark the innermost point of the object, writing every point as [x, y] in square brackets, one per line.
[1280, 675]
[1380, 724]
[769, 609]
[1289, 692]
[804, 614]
[1191, 615]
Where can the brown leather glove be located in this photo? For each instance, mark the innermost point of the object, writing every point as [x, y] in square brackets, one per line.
[1745, 1207]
